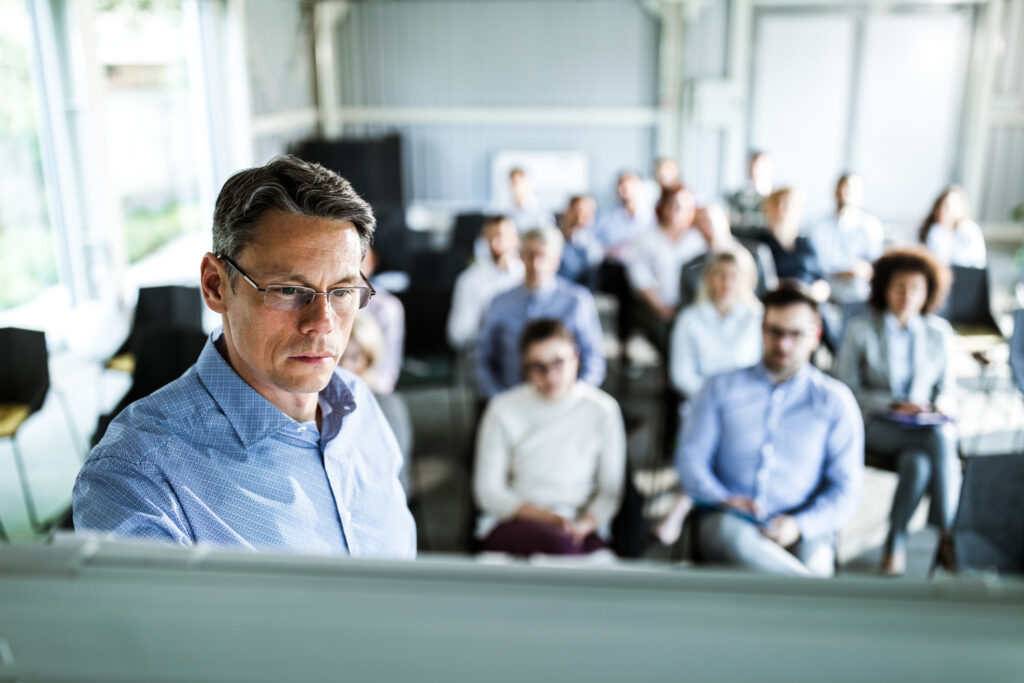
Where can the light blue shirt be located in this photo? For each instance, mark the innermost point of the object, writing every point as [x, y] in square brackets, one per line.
[497, 357]
[209, 460]
[900, 344]
[795, 448]
[617, 227]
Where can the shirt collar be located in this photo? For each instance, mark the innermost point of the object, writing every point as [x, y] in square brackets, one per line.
[252, 416]
[793, 383]
[894, 325]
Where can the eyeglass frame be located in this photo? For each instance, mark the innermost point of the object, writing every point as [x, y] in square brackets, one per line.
[315, 293]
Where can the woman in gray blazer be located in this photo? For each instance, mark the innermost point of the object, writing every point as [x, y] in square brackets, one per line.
[896, 360]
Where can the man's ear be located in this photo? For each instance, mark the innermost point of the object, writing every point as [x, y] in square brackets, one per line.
[213, 279]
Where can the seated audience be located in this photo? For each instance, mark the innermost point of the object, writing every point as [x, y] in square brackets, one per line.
[582, 252]
[847, 242]
[497, 270]
[954, 238]
[896, 361]
[388, 313]
[551, 454]
[656, 262]
[617, 227]
[773, 454]
[542, 295]
[525, 211]
[794, 255]
[745, 203]
[713, 224]
[721, 331]
[362, 357]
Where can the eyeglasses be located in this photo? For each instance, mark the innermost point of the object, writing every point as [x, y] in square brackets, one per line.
[542, 369]
[780, 333]
[295, 298]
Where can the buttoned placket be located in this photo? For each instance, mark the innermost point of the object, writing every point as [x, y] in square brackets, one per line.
[338, 471]
[767, 460]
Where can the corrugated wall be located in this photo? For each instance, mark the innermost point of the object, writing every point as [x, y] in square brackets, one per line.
[279, 47]
[1004, 167]
[501, 54]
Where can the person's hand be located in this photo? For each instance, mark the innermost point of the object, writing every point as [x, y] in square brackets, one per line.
[908, 408]
[782, 529]
[667, 313]
[532, 513]
[742, 503]
[583, 527]
[820, 291]
[862, 270]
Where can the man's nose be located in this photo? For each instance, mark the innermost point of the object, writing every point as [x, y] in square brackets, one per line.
[318, 315]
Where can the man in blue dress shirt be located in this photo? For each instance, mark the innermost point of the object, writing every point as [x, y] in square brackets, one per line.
[264, 443]
[773, 454]
[542, 295]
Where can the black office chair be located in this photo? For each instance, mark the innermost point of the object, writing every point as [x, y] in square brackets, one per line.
[969, 310]
[988, 534]
[162, 353]
[465, 233]
[24, 384]
[166, 305]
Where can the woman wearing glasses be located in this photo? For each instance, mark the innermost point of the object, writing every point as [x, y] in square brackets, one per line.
[550, 456]
[896, 361]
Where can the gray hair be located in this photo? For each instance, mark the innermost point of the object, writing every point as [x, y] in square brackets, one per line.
[288, 184]
[548, 235]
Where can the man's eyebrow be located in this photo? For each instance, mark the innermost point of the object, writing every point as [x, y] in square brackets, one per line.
[286, 274]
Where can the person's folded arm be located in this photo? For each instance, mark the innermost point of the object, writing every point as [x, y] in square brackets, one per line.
[611, 471]
[590, 340]
[698, 446]
[848, 370]
[493, 461]
[683, 359]
[838, 493]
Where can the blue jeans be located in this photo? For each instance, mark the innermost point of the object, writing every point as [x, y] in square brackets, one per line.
[926, 460]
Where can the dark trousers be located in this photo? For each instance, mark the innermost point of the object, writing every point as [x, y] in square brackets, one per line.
[524, 538]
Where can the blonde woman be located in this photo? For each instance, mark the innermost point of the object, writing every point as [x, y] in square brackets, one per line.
[721, 330]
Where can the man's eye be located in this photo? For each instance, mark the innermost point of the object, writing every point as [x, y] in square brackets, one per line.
[288, 291]
[341, 293]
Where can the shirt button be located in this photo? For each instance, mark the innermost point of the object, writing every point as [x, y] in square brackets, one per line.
[347, 515]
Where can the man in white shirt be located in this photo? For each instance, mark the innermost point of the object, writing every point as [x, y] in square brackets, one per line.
[551, 454]
[498, 270]
[656, 261]
[847, 242]
[526, 211]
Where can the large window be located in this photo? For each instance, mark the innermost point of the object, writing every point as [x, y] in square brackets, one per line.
[147, 116]
[27, 261]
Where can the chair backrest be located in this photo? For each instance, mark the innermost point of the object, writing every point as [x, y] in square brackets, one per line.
[1017, 348]
[162, 354]
[989, 530]
[968, 302]
[467, 229]
[24, 367]
[169, 305]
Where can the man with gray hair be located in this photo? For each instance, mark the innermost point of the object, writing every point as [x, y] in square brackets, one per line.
[542, 295]
[264, 443]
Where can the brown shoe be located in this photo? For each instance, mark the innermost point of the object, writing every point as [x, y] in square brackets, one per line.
[894, 563]
[945, 556]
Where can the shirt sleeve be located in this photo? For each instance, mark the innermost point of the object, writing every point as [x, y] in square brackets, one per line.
[684, 364]
[848, 369]
[464, 319]
[839, 491]
[487, 379]
[114, 495]
[975, 256]
[591, 341]
[698, 446]
[493, 462]
[611, 469]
